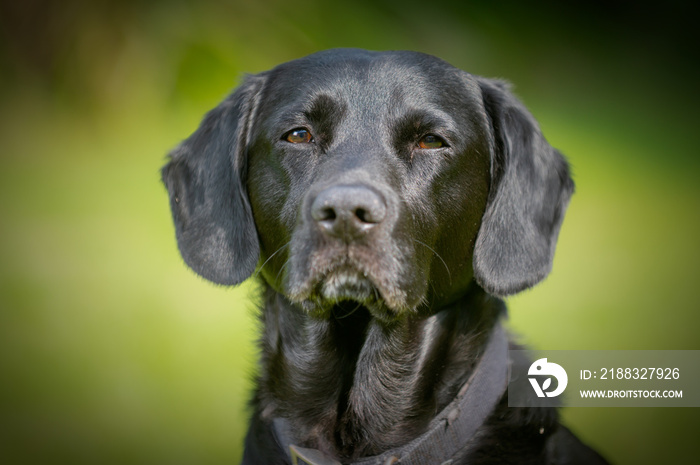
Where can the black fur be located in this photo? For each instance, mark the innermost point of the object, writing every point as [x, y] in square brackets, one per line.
[381, 252]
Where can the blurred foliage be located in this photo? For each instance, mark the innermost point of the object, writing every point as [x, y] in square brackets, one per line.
[112, 351]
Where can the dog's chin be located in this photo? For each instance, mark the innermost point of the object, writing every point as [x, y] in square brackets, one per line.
[347, 285]
[346, 288]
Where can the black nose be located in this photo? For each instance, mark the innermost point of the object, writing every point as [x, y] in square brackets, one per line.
[348, 212]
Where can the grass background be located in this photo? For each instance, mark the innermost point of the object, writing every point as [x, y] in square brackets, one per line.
[111, 351]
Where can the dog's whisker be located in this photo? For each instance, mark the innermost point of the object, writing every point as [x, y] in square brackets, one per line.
[432, 286]
[449, 275]
[284, 265]
[359, 304]
[317, 301]
[376, 293]
[269, 258]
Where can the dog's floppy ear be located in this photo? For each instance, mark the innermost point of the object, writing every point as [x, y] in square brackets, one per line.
[205, 178]
[530, 190]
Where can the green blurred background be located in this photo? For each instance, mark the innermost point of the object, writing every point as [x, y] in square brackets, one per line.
[111, 351]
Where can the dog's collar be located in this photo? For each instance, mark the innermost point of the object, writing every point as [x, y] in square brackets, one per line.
[449, 432]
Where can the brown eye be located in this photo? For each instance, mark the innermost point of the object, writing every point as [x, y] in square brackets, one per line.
[431, 141]
[299, 136]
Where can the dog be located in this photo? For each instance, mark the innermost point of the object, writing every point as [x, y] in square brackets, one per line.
[385, 201]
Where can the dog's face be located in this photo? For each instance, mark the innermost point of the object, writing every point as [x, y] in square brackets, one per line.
[369, 177]
[389, 180]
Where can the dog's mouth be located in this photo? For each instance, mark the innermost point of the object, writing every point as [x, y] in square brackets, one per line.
[346, 283]
[351, 285]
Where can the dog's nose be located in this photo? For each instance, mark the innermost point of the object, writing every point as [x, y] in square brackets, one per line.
[348, 212]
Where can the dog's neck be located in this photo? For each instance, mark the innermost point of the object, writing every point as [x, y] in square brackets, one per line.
[353, 386]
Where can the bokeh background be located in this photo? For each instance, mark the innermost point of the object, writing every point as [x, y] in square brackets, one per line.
[112, 351]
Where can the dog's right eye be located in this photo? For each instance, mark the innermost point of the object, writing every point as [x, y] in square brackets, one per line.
[431, 141]
[298, 136]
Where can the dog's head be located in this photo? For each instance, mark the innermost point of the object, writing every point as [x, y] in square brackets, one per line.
[390, 179]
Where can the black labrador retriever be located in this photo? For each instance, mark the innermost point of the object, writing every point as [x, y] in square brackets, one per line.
[386, 200]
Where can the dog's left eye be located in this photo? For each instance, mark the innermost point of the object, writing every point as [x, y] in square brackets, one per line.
[431, 141]
[298, 136]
